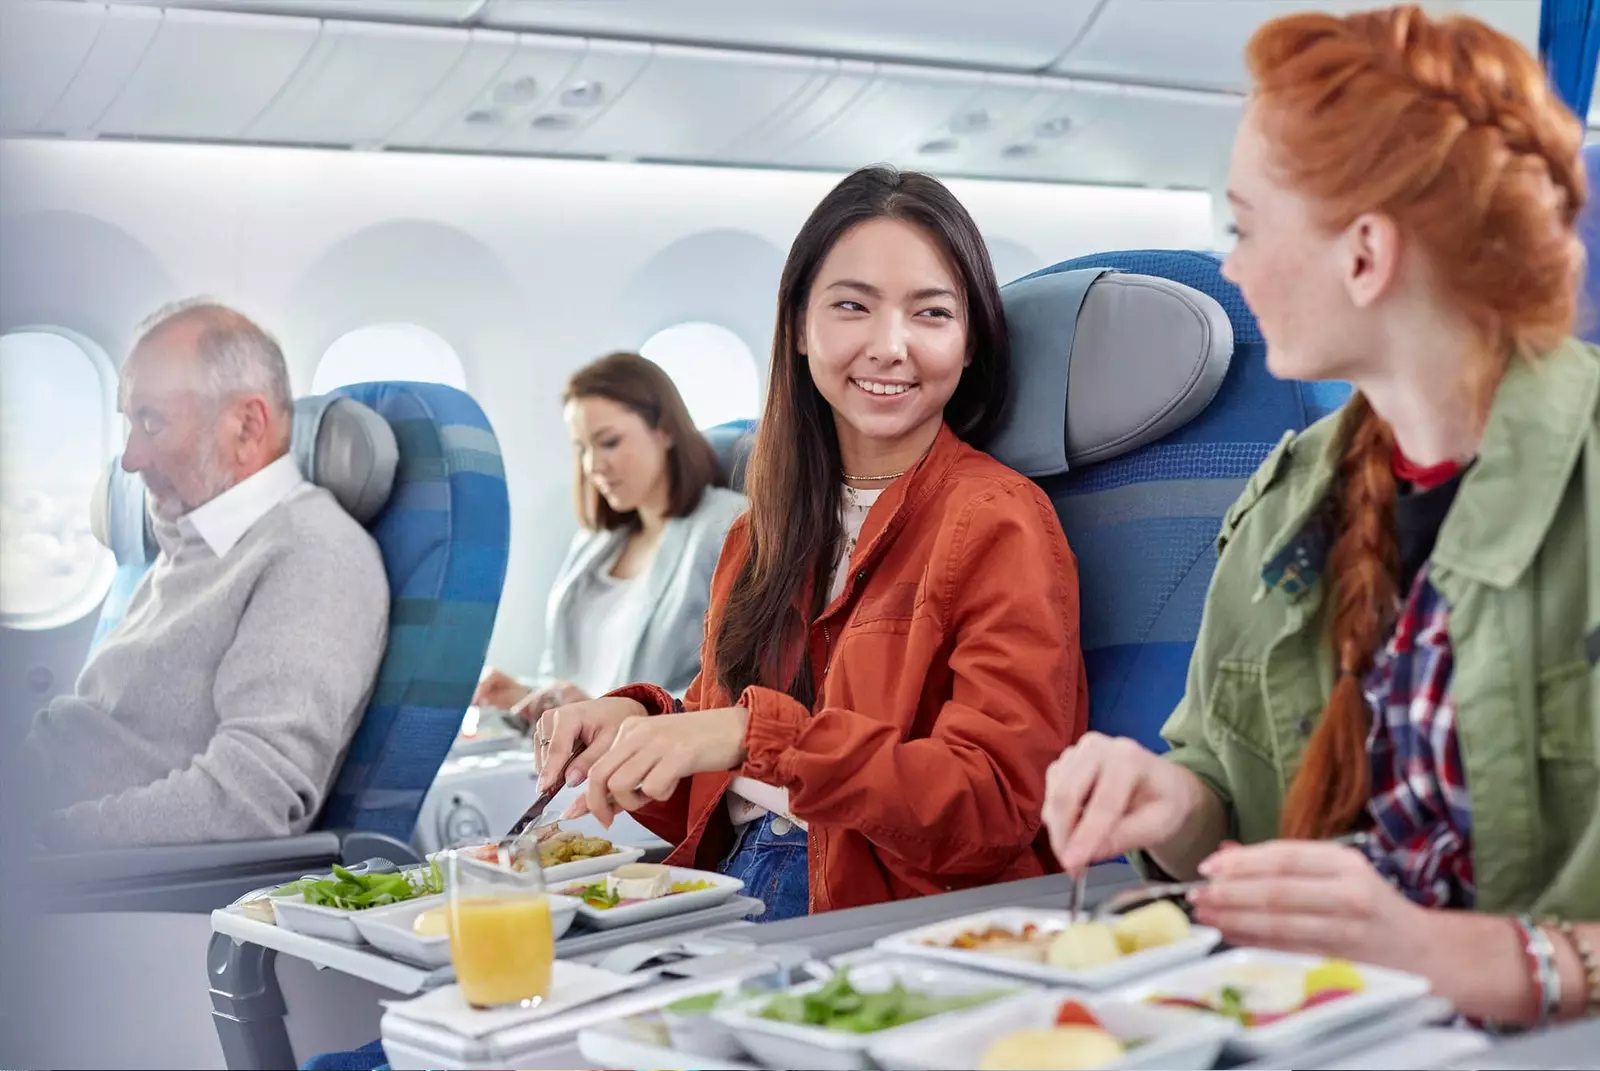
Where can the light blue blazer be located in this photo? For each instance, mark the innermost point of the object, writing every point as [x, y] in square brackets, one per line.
[664, 647]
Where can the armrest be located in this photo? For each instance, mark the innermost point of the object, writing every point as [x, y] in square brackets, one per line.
[180, 877]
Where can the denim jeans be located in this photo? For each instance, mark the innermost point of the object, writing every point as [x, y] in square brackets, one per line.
[772, 866]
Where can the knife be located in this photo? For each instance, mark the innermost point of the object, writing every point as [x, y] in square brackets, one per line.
[542, 802]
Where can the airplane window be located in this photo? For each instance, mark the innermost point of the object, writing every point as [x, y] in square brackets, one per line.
[388, 352]
[58, 428]
[713, 369]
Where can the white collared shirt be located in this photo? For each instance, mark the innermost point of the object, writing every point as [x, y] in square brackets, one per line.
[224, 520]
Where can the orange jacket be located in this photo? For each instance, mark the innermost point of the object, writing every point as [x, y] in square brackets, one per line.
[950, 678]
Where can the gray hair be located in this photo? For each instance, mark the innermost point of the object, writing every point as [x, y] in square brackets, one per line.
[239, 357]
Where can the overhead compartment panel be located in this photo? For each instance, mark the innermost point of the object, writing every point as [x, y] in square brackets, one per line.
[360, 83]
[486, 56]
[42, 45]
[116, 53]
[1023, 34]
[841, 83]
[880, 123]
[1192, 43]
[689, 103]
[530, 74]
[208, 74]
[557, 120]
[432, 11]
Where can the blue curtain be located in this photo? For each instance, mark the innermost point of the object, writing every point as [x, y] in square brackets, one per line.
[1569, 45]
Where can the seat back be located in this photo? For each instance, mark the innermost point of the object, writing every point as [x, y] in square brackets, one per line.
[1589, 232]
[419, 465]
[732, 442]
[1143, 521]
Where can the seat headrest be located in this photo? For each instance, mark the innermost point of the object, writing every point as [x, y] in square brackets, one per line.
[348, 449]
[1104, 362]
[340, 444]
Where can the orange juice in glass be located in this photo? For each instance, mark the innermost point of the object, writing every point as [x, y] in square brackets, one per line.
[501, 940]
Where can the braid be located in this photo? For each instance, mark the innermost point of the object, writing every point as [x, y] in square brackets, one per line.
[1330, 788]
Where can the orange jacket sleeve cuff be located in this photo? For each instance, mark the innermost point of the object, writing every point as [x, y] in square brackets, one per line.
[654, 700]
[776, 722]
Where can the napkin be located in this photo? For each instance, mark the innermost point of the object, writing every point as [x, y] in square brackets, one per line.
[572, 985]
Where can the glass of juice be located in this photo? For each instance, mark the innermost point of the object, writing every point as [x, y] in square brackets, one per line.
[501, 940]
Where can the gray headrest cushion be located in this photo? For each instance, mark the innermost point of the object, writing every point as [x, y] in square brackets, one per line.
[1104, 362]
[353, 454]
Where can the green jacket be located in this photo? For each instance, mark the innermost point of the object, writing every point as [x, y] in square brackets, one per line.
[1518, 560]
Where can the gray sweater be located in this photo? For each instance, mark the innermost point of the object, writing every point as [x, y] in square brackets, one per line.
[221, 706]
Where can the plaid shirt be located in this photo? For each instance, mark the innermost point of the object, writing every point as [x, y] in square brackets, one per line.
[1420, 813]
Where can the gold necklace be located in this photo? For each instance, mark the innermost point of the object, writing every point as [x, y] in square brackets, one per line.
[877, 479]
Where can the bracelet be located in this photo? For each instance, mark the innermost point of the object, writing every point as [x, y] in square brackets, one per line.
[1588, 959]
[1542, 968]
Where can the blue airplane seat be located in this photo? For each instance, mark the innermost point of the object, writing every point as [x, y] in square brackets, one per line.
[420, 467]
[1589, 231]
[1143, 507]
[732, 442]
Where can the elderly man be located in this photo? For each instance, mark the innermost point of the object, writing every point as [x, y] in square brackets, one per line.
[220, 707]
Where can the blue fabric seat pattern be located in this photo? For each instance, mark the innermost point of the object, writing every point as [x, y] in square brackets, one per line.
[1144, 525]
[444, 534]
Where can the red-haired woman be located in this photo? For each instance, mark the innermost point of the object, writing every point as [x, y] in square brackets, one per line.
[1396, 638]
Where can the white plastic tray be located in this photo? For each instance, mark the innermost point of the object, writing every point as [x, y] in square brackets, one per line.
[723, 889]
[793, 1045]
[1385, 992]
[583, 868]
[925, 943]
[1169, 1037]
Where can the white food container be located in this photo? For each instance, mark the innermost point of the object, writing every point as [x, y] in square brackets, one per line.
[1384, 991]
[792, 1045]
[723, 889]
[928, 941]
[292, 913]
[1167, 1037]
[583, 868]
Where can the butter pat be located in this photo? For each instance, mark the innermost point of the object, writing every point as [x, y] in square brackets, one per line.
[639, 881]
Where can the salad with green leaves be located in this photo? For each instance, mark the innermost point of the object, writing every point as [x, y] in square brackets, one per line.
[840, 1006]
[349, 891]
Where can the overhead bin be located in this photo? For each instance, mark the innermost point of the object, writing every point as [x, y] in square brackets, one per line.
[1015, 36]
[207, 74]
[118, 49]
[899, 99]
[468, 112]
[693, 102]
[558, 118]
[360, 82]
[431, 11]
[42, 46]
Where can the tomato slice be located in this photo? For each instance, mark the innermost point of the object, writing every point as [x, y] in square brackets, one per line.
[1074, 1014]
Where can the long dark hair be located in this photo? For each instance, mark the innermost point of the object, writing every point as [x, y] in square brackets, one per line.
[636, 383]
[795, 473]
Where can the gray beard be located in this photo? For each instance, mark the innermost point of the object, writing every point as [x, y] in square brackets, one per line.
[214, 479]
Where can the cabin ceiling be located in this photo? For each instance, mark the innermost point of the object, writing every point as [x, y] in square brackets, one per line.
[1139, 92]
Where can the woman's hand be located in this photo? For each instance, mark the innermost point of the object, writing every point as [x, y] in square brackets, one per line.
[1107, 795]
[649, 756]
[498, 691]
[1315, 897]
[585, 730]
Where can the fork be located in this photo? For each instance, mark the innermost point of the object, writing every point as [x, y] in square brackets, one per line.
[1127, 898]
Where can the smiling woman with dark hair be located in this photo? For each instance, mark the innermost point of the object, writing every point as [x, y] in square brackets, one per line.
[878, 701]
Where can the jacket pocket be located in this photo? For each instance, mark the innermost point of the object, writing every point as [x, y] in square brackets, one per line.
[1238, 732]
[1568, 775]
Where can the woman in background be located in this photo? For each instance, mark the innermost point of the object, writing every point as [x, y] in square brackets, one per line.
[1397, 636]
[629, 601]
[892, 652]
